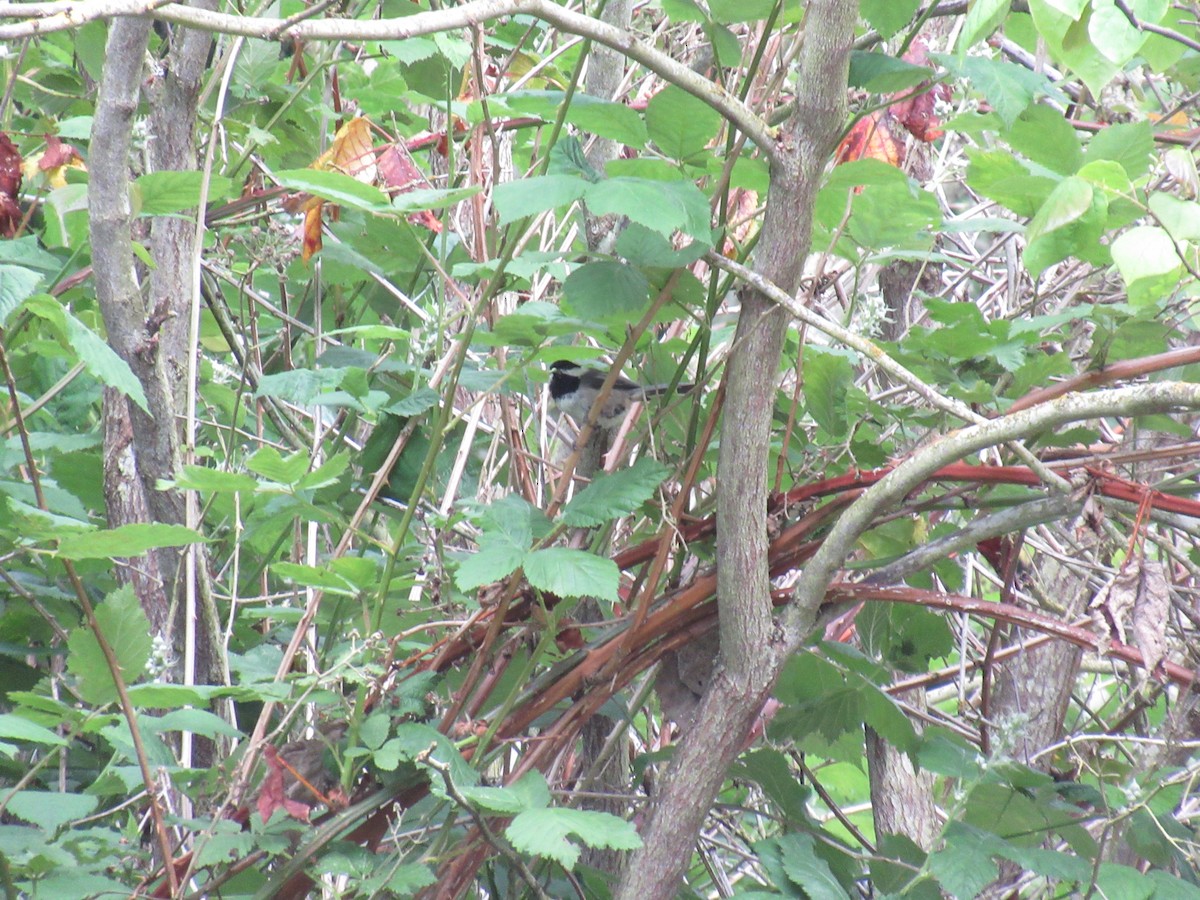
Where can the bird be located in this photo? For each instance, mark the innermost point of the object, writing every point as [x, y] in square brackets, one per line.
[574, 389]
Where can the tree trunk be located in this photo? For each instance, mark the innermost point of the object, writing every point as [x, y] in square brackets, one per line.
[750, 643]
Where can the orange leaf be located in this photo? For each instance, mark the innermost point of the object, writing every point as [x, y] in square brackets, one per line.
[312, 230]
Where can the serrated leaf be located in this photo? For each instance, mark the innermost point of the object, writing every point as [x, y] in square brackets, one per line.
[1148, 262]
[18, 728]
[170, 696]
[1009, 88]
[880, 73]
[127, 631]
[432, 198]
[596, 115]
[161, 193]
[50, 809]
[336, 188]
[607, 290]
[99, 359]
[200, 478]
[827, 379]
[1130, 144]
[983, 17]
[662, 206]
[964, 865]
[268, 463]
[300, 386]
[415, 403]
[530, 196]
[615, 494]
[17, 283]
[680, 124]
[315, 576]
[496, 558]
[807, 870]
[195, 721]
[889, 16]
[545, 832]
[126, 541]
[493, 799]
[573, 573]
[1070, 223]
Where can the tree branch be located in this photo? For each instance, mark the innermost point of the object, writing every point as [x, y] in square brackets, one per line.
[799, 619]
[56, 17]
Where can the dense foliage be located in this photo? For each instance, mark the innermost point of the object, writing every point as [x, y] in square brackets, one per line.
[347, 629]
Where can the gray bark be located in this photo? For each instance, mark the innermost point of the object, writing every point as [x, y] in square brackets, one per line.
[750, 645]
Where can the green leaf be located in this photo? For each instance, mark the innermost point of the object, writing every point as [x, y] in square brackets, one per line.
[529, 196]
[614, 494]
[807, 870]
[1126, 882]
[895, 869]
[662, 206]
[127, 631]
[1168, 887]
[1181, 218]
[1000, 176]
[170, 696]
[432, 198]
[964, 865]
[683, 11]
[493, 799]
[160, 193]
[18, 728]
[17, 283]
[27, 252]
[196, 721]
[607, 290]
[906, 637]
[1010, 88]
[680, 124]
[1129, 143]
[545, 832]
[415, 403]
[572, 573]
[880, 73]
[729, 12]
[315, 576]
[269, 464]
[200, 478]
[1112, 34]
[827, 379]
[494, 560]
[50, 809]
[336, 188]
[507, 536]
[889, 16]
[1148, 262]
[1067, 36]
[1044, 135]
[640, 246]
[605, 118]
[126, 541]
[300, 386]
[1070, 223]
[983, 17]
[773, 772]
[99, 359]
[1119, 193]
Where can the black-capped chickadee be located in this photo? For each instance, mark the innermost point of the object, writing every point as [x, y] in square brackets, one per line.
[574, 390]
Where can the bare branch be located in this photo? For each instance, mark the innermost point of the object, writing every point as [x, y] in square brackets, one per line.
[467, 15]
[810, 590]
